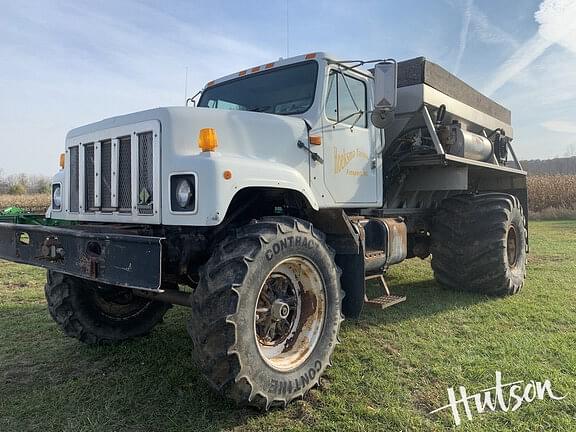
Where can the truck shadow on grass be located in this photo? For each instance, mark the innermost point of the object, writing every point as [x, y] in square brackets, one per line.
[151, 383]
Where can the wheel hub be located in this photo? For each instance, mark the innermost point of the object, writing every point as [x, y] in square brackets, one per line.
[511, 246]
[117, 303]
[290, 312]
[276, 309]
[280, 310]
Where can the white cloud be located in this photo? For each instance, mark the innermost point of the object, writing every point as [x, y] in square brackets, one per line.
[557, 25]
[557, 19]
[563, 126]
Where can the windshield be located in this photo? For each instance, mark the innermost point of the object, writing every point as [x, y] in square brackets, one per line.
[287, 90]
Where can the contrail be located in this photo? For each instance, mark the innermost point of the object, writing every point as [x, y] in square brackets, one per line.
[520, 60]
[557, 19]
[463, 35]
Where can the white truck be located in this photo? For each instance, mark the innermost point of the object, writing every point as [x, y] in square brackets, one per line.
[266, 207]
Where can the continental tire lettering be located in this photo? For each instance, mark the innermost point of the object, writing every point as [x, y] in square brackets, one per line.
[276, 248]
[289, 242]
[273, 386]
[292, 386]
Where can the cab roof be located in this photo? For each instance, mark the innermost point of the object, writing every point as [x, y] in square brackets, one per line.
[278, 63]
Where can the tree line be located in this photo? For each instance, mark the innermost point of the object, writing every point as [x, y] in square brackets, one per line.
[20, 184]
[556, 166]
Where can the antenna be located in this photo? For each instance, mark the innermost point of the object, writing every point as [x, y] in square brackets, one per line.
[287, 32]
[186, 87]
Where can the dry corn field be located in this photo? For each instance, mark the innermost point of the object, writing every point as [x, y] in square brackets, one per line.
[551, 197]
[555, 195]
[36, 202]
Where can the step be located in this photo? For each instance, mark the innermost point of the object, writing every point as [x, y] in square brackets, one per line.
[384, 301]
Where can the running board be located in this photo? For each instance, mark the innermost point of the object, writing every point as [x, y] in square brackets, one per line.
[387, 299]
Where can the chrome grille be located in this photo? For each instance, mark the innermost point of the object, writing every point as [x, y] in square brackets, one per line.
[124, 175]
[115, 172]
[145, 173]
[74, 180]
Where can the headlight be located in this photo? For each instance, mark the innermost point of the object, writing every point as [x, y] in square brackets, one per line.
[56, 197]
[183, 191]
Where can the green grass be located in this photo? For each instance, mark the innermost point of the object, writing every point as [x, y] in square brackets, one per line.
[392, 368]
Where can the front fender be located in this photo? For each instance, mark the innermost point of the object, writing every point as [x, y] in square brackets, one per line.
[215, 193]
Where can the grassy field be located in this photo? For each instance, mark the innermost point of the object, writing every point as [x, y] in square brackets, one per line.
[392, 368]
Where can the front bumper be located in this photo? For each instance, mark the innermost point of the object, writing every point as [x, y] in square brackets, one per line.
[131, 261]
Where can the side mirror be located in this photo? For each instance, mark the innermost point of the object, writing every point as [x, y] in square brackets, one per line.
[385, 85]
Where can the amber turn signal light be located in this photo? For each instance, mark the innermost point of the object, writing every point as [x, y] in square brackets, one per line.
[207, 139]
[315, 140]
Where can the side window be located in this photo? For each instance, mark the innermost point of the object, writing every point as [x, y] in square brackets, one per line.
[346, 98]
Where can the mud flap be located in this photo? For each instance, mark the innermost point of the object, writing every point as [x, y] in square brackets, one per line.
[353, 282]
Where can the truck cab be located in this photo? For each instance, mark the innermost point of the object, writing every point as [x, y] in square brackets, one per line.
[300, 124]
[334, 101]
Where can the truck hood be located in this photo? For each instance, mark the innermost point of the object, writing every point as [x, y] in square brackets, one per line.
[248, 134]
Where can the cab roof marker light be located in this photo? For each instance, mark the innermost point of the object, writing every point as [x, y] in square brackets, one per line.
[242, 73]
[310, 56]
[269, 65]
[255, 69]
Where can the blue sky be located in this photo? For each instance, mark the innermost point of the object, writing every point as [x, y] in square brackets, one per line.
[67, 63]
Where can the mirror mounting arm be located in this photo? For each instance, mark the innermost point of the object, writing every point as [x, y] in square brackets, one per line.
[193, 98]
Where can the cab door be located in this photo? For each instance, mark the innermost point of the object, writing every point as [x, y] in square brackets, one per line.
[350, 164]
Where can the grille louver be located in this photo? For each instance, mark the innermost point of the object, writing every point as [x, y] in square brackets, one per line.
[124, 175]
[106, 175]
[74, 179]
[89, 177]
[145, 173]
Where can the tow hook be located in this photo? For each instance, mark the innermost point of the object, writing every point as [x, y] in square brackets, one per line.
[52, 249]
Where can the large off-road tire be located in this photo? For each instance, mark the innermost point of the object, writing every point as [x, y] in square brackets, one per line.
[479, 244]
[95, 314]
[266, 313]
